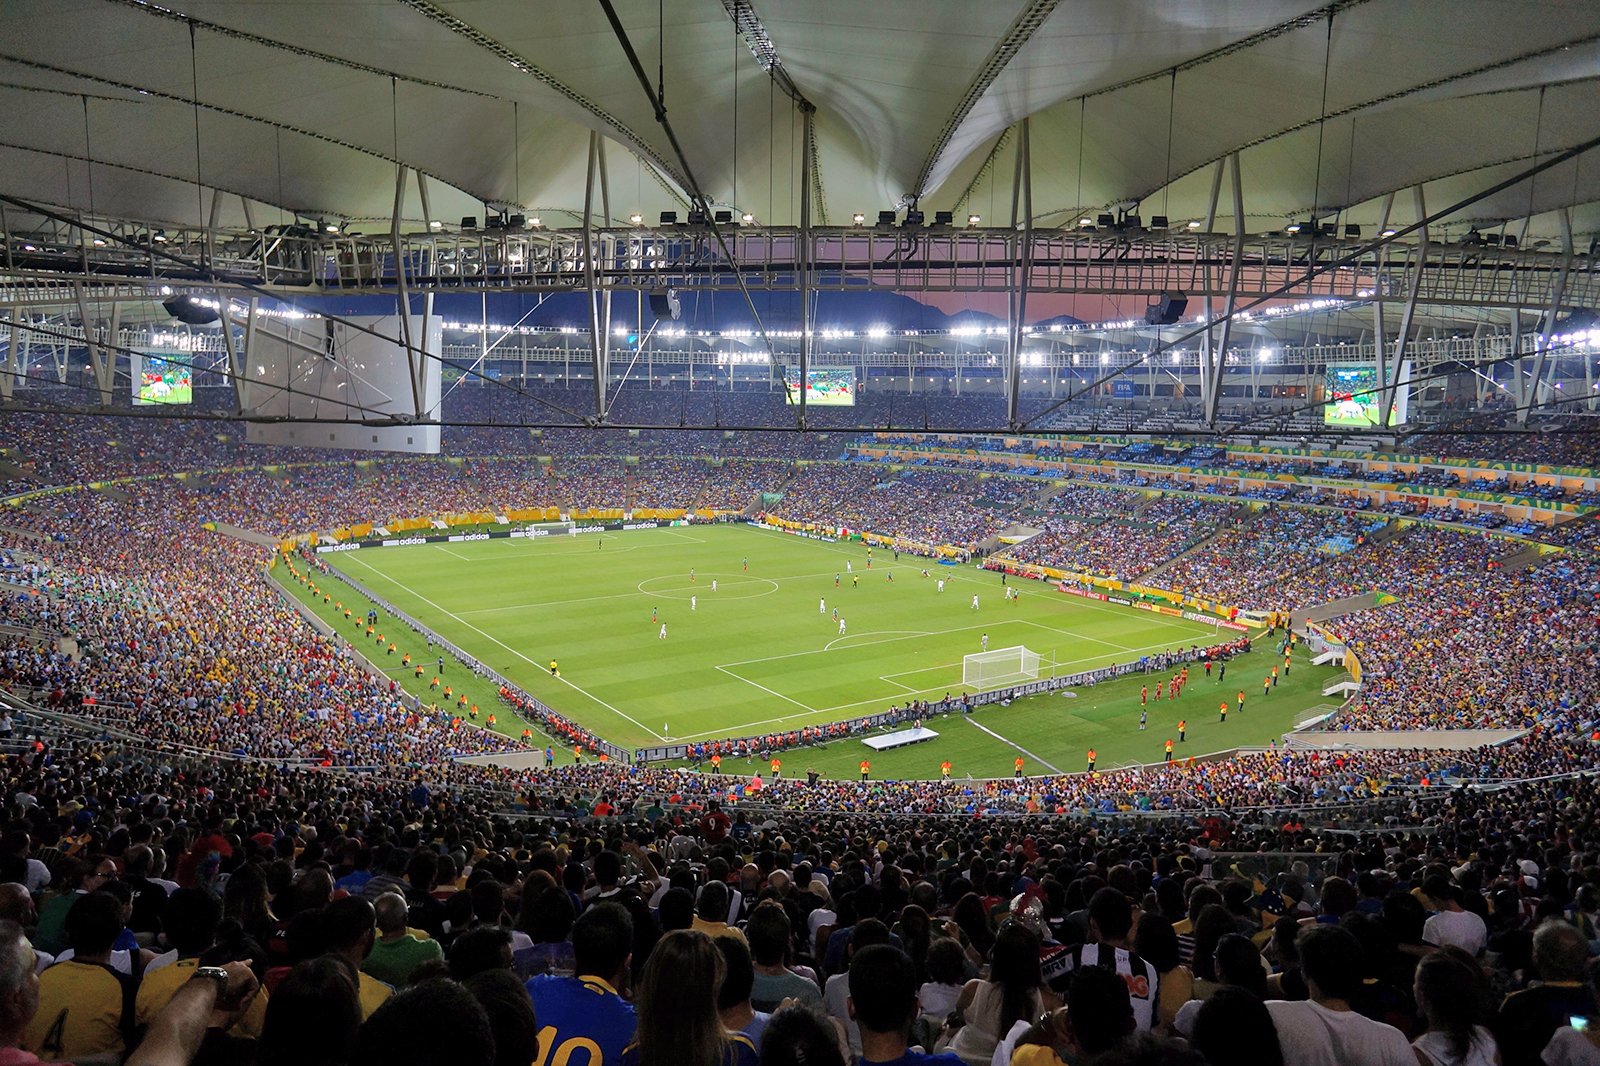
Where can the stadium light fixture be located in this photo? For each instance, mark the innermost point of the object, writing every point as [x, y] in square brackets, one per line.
[1390, 232]
[636, 219]
[747, 218]
[99, 242]
[1264, 355]
[858, 218]
[1292, 227]
[1085, 221]
[973, 220]
[1194, 223]
[159, 236]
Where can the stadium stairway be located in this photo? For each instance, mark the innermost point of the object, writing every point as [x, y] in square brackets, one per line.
[1321, 612]
[24, 534]
[1521, 560]
[1242, 517]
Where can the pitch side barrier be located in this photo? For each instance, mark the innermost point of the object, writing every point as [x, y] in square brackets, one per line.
[543, 713]
[965, 704]
[558, 529]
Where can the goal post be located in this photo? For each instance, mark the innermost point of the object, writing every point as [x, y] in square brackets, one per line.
[1003, 666]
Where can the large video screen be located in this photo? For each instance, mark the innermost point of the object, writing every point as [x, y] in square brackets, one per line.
[830, 387]
[1353, 399]
[163, 379]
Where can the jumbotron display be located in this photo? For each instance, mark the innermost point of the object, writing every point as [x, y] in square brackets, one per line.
[831, 387]
[1353, 397]
[163, 380]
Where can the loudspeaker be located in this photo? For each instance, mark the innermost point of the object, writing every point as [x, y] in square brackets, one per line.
[666, 304]
[1168, 311]
[189, 310]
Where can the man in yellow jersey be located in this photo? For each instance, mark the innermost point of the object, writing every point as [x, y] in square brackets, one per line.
[190, 921]
[85, 1007]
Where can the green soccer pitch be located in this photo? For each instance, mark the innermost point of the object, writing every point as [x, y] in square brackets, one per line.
[758, 655]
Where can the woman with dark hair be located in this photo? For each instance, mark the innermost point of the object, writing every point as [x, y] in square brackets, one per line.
[1213, 924]
[244, 898]
[1012, 993]
[801, 1035]
[1286, 981]
[1155, 942]
[1234, 1027]
[969, 915]
[915, 930]
[677, 1003]
[312, 1017]
[1452, 994]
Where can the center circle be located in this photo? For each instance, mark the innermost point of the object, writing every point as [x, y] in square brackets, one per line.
[729, 586]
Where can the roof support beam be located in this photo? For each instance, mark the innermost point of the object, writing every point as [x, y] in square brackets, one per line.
[803, 264]
[416, 361]
[1220, 360]
[1208, 348]
[1019, 33]
[236, 366]
[100, 360]
[599, 322]
[1021, 271]
[1548, 327]
[1387, 373]
[14, 365]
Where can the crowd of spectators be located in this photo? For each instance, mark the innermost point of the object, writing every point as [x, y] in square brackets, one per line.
[358, 921]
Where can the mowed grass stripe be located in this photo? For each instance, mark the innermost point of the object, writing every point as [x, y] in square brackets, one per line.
[518, 604]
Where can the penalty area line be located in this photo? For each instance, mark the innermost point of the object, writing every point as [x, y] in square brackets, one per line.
[409, 590]
[1014, 744]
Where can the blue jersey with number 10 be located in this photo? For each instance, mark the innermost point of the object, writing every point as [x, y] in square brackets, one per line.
[582, 1021]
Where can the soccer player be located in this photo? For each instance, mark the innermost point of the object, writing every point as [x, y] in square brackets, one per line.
[584, 1015]
[713, 584]
[835, 580]
[746, 562]
[1183, 730]
[652, 615]
[1144, 695]
[822, 606]
[694, 603]
[1144, 717]
[691, 574]
[663, 634]
[890, 576]
[836, 614]
[841, 627]
[1169, 749]
[866, 769]
[855, 581]
[984, 642]
[941, 583]
[553, 671]
[974, 601]
[1091, 760]
[849, 568]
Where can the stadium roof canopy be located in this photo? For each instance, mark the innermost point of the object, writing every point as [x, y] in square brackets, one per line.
[137, 110]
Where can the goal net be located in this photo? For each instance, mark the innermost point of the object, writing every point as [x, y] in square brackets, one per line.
[1004, 666]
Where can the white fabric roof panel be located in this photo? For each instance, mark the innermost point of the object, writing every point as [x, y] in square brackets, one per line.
[306, 105]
